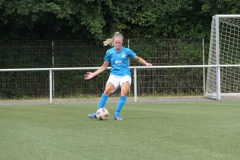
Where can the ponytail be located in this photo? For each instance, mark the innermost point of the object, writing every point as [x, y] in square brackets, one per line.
[110, 41]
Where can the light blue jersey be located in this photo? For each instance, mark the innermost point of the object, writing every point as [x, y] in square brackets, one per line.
[119, 61]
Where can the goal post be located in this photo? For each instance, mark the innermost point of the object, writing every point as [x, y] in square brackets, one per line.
[224, 52]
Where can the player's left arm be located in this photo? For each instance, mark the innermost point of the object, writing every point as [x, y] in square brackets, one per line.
[142, 61]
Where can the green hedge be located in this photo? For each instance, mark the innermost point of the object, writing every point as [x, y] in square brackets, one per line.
[39, 54]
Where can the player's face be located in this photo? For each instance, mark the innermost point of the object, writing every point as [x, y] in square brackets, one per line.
[118, 43]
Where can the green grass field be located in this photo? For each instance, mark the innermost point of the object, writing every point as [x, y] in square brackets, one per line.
[149, 131]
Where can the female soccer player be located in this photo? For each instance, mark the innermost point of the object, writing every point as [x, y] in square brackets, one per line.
[120, 74]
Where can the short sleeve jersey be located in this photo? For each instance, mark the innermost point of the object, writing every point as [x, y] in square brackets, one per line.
[119, 61]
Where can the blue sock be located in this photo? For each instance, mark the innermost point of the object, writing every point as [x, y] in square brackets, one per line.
[102, 101]
[120, 104]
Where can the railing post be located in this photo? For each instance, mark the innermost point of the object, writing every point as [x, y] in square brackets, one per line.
[135, 84]
[53, 64]
[50, 86]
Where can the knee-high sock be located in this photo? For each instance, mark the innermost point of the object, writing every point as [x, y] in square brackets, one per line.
[120, 104]
[102, 101]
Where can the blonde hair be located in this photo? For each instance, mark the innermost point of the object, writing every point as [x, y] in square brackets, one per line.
[110, 41]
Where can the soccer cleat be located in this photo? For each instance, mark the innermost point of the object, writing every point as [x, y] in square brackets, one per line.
[93, 115]
[117, 117]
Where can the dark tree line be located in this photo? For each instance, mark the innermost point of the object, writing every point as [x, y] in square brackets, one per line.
[94, 20]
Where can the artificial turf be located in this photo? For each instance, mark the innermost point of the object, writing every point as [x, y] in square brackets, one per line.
[149, 131]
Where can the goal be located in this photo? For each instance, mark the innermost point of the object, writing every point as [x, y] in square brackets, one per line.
[223, 79]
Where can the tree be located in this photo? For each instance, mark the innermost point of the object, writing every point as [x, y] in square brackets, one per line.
[95, 20]
[221, 6]
[51, 19]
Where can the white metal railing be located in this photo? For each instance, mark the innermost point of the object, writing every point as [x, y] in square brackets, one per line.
[131, 67]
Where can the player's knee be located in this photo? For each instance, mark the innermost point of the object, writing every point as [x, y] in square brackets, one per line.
[124, 92]
[107, 92]
[125, 88]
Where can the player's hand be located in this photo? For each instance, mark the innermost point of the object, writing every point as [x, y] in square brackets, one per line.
[88, 75]
[148, 64]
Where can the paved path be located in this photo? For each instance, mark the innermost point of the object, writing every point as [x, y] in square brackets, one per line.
[115, 100]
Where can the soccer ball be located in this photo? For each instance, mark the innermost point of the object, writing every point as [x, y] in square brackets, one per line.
[102, 114]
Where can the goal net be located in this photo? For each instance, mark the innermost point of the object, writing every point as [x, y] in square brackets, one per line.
[224, 52]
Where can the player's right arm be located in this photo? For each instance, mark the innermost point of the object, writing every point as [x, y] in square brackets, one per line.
[90, 75]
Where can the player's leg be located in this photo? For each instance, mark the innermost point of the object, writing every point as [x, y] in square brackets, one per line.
[111, 85]
[108, 90]
[125, 85]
